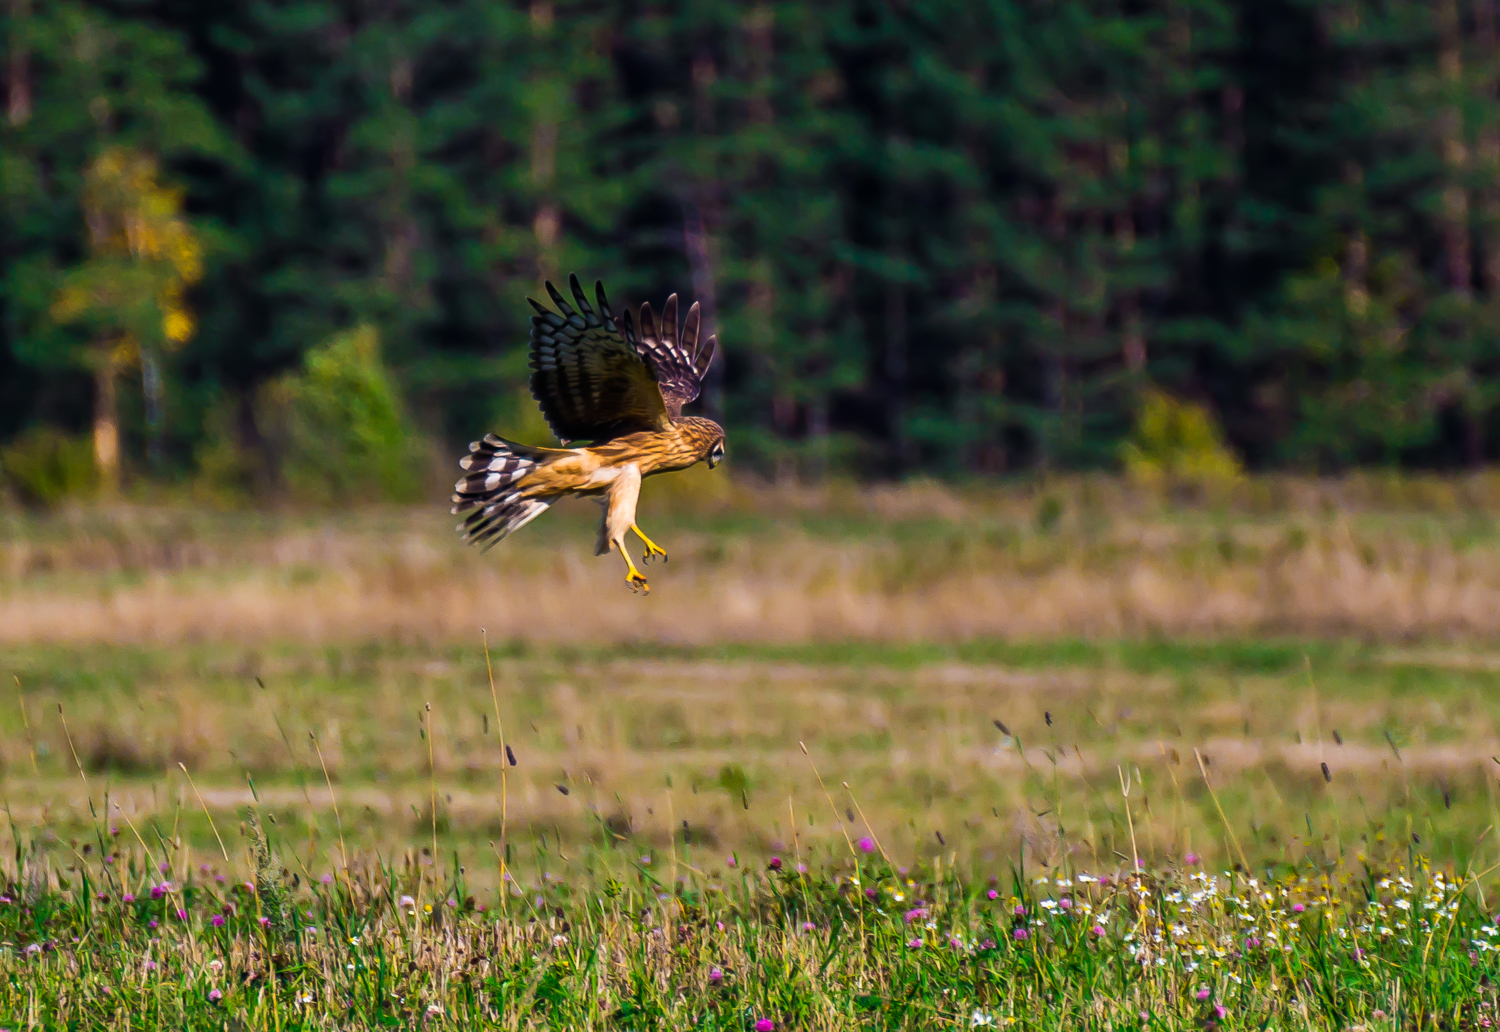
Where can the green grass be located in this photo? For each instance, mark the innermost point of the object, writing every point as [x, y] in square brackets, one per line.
[129, 937]
[677, 760]
[1407, 734]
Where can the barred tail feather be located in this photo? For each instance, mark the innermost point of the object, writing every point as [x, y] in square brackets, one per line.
[489, 492]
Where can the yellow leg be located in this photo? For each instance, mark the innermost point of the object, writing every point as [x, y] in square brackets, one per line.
[652, 548]
[632, 575]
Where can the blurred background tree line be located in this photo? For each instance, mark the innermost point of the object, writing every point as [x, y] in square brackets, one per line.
[281, 245]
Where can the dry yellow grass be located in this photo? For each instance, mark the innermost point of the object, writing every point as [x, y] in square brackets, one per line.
[1398, 559]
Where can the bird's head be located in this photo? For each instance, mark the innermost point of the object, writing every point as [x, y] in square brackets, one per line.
[704, 437]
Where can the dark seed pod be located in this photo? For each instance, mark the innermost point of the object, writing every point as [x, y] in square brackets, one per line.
[1327, 774]
[1000, 724]
[510, 755]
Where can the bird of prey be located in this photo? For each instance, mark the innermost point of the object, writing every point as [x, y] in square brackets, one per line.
[602, 382]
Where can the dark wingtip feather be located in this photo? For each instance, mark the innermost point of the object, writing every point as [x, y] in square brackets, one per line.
[648, 322]
[558, 300]
[669, 321]
[602, 301]
[690, 330]
[578, 295]
[705, 357]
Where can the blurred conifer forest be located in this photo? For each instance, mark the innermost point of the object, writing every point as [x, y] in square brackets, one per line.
[239, 239]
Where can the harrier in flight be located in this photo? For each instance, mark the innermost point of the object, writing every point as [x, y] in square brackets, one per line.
[602, 382]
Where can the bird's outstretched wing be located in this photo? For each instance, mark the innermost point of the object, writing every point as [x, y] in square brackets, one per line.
[679, 363]
[591, 383]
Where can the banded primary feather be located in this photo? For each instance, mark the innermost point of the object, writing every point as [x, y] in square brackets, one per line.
[591, 383]
[674, 353]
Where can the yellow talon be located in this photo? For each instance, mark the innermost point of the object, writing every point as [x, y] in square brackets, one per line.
[633, 577]
[652, 548]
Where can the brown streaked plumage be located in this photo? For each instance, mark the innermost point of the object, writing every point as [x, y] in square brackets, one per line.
[603, 382]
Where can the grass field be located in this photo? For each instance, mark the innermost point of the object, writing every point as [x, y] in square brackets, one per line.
[1368, 558]
[644, 739]
[905, 702]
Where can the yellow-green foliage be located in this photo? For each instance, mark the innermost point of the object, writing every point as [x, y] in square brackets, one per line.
[43, 466]
[1177, 442]
[341, 429]
[145, 255]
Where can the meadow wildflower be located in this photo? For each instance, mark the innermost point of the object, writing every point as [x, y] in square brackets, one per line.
[867, 844]
[214, 996]
[765, 1025]
[217, 921]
